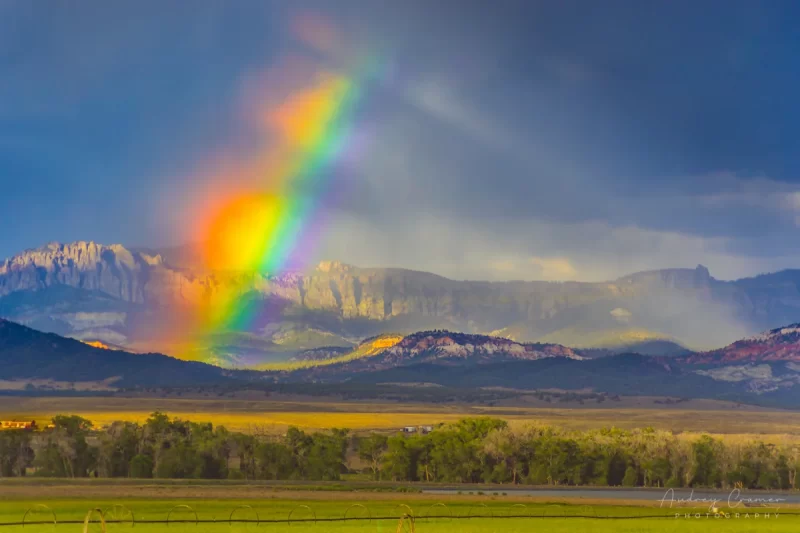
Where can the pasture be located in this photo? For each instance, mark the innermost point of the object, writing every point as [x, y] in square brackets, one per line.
[346, 512]
[268, 415]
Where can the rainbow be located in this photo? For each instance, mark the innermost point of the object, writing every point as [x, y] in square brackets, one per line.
[260, 231]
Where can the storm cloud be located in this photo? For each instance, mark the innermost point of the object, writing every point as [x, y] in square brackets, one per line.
[505, 140]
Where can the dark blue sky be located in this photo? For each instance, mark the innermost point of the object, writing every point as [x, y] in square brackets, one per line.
[533, 140]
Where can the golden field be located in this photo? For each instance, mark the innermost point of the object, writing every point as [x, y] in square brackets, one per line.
[274, 415]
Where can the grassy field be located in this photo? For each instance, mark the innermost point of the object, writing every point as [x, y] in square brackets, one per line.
[365, 513]
[275, 415]
[216, 503]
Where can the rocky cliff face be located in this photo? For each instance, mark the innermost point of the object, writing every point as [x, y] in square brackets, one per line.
[140, 277]
[84, 265]
[72, 288]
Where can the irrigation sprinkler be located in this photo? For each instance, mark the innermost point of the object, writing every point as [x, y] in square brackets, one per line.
[35, 509]
[358, 506]
[307, 508]
[238, 507]
[479, 506]
[88, 519]
[182, 507]
[408, 510]
[558, 509]
[518, 509]
[439, 506]
[406, 524]
[120, 513]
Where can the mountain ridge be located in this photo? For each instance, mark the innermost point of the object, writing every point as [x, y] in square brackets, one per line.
[57, 258]
[127, 297]
[28, 354]
[449, 359]
[433, 346]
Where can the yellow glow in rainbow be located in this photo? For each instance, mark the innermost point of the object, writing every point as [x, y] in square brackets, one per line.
[258, 231]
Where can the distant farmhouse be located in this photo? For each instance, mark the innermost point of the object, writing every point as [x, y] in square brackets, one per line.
[18, 424]
[408, 430]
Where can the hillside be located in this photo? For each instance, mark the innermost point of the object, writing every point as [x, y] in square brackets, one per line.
[27, 354]
[464, 361]
[332, 356]
[627, 374]
[430, 346]
[477, 361]
[776, 345]
[439, 347]
[138, 298]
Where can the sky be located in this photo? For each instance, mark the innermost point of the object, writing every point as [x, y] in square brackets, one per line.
[502, 140]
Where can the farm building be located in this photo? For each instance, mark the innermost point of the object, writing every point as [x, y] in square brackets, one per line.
[18, 424]
[417, 429]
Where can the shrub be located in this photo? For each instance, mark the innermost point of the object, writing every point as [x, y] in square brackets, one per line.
[631, 477]
[141, 466]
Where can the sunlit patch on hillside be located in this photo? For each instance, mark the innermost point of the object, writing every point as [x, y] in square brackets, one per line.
[368, 348]
[98, 344]
[379, 343]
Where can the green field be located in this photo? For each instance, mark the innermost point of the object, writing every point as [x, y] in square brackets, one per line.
[285, 514]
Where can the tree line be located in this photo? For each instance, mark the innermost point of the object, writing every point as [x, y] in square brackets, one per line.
[473, 450]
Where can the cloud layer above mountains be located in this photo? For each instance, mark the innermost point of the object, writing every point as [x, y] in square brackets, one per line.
[517, 140]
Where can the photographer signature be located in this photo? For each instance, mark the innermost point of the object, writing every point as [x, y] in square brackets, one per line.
[735, 500]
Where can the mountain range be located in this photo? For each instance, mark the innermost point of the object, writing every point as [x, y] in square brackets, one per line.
[136, 298]
[759, 370]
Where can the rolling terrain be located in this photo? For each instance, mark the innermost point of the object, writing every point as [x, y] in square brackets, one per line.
[759, 369]
[764, 371]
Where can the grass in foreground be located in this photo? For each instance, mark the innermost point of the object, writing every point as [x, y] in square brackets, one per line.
[486, 516]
